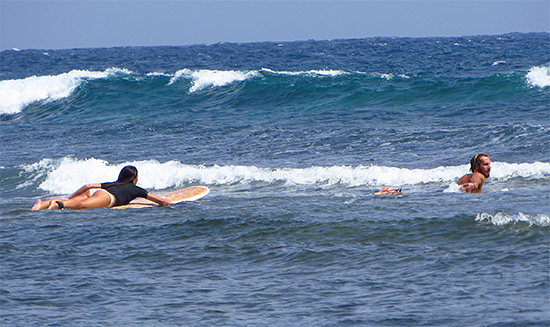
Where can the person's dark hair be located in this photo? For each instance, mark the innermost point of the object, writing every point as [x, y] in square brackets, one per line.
[476, 161]
[126, 176]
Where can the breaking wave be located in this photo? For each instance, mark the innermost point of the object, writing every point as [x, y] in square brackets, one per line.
[539, 76]
[19, 93]
[64, 176]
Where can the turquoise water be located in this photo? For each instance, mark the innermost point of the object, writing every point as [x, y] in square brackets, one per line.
[292, 139]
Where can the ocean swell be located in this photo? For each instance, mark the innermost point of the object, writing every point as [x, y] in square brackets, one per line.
[371, 87]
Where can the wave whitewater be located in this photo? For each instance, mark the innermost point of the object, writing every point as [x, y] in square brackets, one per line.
[18, 94]
[63, 176]
[539, 76]
[502, 219]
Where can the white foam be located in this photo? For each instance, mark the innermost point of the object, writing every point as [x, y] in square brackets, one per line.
[501, 219]
[313, 72]
[332, 73]
[503, 170]
[538, 76]
[390, 76]
[19, 93]
[452, 188]
[64, 176]
[204, 78]
[154, 74]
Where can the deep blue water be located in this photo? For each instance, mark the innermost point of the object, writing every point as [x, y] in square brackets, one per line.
[293, 139]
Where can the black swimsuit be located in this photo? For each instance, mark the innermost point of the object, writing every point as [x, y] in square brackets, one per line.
[124, 193]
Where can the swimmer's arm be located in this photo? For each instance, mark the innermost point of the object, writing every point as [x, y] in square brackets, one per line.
[465, 185]
[478, 180]
[84, 189]
[468, 187]
[474, 184]
[157, 199]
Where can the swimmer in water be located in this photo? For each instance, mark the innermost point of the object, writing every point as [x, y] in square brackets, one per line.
[480, 166]
[389, 190]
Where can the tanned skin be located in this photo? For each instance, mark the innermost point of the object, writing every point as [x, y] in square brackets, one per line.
[481, 168]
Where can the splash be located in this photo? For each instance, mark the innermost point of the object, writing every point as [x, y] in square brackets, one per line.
[498, 62]
[539, 76]
[501, 219]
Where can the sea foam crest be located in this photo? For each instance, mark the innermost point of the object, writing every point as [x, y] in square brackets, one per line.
[64, 176]
[313, 72]
[204, 78]
[539, 76]
[501, 219]
[503, 170]
[19, 93]
[333, 73]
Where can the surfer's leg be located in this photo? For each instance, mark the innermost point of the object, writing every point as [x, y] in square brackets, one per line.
[82, 197]
[39, 205]
[97, 200]
[87, 194]
[51, 204]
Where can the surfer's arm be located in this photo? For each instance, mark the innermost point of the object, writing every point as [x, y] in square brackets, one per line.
[157, 199]
[84, 189]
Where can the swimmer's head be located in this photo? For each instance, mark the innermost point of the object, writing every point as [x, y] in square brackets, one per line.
[481, 163]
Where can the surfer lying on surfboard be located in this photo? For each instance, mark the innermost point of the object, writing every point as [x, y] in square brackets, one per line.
[109, 195]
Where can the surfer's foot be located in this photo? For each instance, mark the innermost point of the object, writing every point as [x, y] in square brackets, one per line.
[54, 205]
[37, 205]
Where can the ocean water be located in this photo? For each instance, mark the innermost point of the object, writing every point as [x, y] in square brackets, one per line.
[293, 139]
